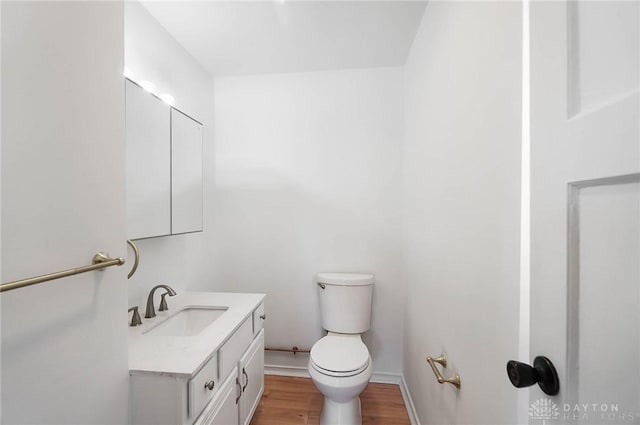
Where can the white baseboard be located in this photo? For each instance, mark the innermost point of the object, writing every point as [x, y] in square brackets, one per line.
[379, 378]
[300, 372]
[385, 378]
[408, 402]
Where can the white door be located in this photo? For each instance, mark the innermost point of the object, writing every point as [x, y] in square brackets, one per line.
[63, 347]
[585, 209]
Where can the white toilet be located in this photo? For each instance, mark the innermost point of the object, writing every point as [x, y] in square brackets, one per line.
[339, 363]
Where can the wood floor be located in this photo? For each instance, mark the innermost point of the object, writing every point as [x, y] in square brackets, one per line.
[296, 401]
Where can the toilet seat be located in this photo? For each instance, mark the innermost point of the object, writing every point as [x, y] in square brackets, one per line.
[340, 355]
[338, 374]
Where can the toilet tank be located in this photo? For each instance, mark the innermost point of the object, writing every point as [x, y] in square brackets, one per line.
[345, 301]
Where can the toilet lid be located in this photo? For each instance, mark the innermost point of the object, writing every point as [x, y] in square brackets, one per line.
[335, 353]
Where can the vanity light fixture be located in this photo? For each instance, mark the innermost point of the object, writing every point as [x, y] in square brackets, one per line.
[167, 98]
[148, 86]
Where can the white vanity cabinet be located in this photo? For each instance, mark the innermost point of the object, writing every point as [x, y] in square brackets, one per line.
[225, 390]
[240, 394]
[164, 167]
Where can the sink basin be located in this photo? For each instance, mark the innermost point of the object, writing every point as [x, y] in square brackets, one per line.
[187, 322]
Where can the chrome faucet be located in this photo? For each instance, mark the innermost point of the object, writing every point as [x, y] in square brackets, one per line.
[151, 311]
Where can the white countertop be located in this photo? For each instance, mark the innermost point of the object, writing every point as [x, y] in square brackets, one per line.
[182, 356]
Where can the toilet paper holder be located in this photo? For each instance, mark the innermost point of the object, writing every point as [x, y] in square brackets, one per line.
[442, 360]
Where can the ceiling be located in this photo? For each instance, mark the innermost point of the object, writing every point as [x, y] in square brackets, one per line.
[243, 37]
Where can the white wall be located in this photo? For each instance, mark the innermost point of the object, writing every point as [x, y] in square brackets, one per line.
[152, 54]
[64, 343]
[461, 209]
[307, 174]
[350, 123]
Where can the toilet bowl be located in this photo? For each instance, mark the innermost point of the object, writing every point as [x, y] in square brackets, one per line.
[339, 364]
[340, 367]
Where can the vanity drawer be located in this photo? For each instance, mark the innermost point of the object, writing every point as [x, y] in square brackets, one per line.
[232, 350]
[200, 387]
[258, 319]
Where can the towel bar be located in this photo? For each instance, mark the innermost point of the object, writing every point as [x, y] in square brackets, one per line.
[100, 261]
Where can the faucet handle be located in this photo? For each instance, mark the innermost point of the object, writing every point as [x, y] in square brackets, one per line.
[163, 302]
[135, 319]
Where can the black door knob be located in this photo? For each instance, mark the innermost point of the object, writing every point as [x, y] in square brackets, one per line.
[542, 372]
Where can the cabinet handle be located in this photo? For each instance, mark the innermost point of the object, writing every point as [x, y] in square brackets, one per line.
[263, 317]
[244, 373]
[239, 386]
[209, 385]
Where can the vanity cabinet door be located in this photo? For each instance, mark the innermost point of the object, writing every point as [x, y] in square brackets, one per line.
[223, 409]
[186, 174]
[203, 386]
[259, 317]
[251, 375]
[148, 164]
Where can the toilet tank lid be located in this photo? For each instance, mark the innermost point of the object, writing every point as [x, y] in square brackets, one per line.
[345, 279]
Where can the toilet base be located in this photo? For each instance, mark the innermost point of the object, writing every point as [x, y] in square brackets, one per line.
[348, 413]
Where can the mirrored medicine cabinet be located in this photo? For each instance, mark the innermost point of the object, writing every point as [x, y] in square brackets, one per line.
[164, 167]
